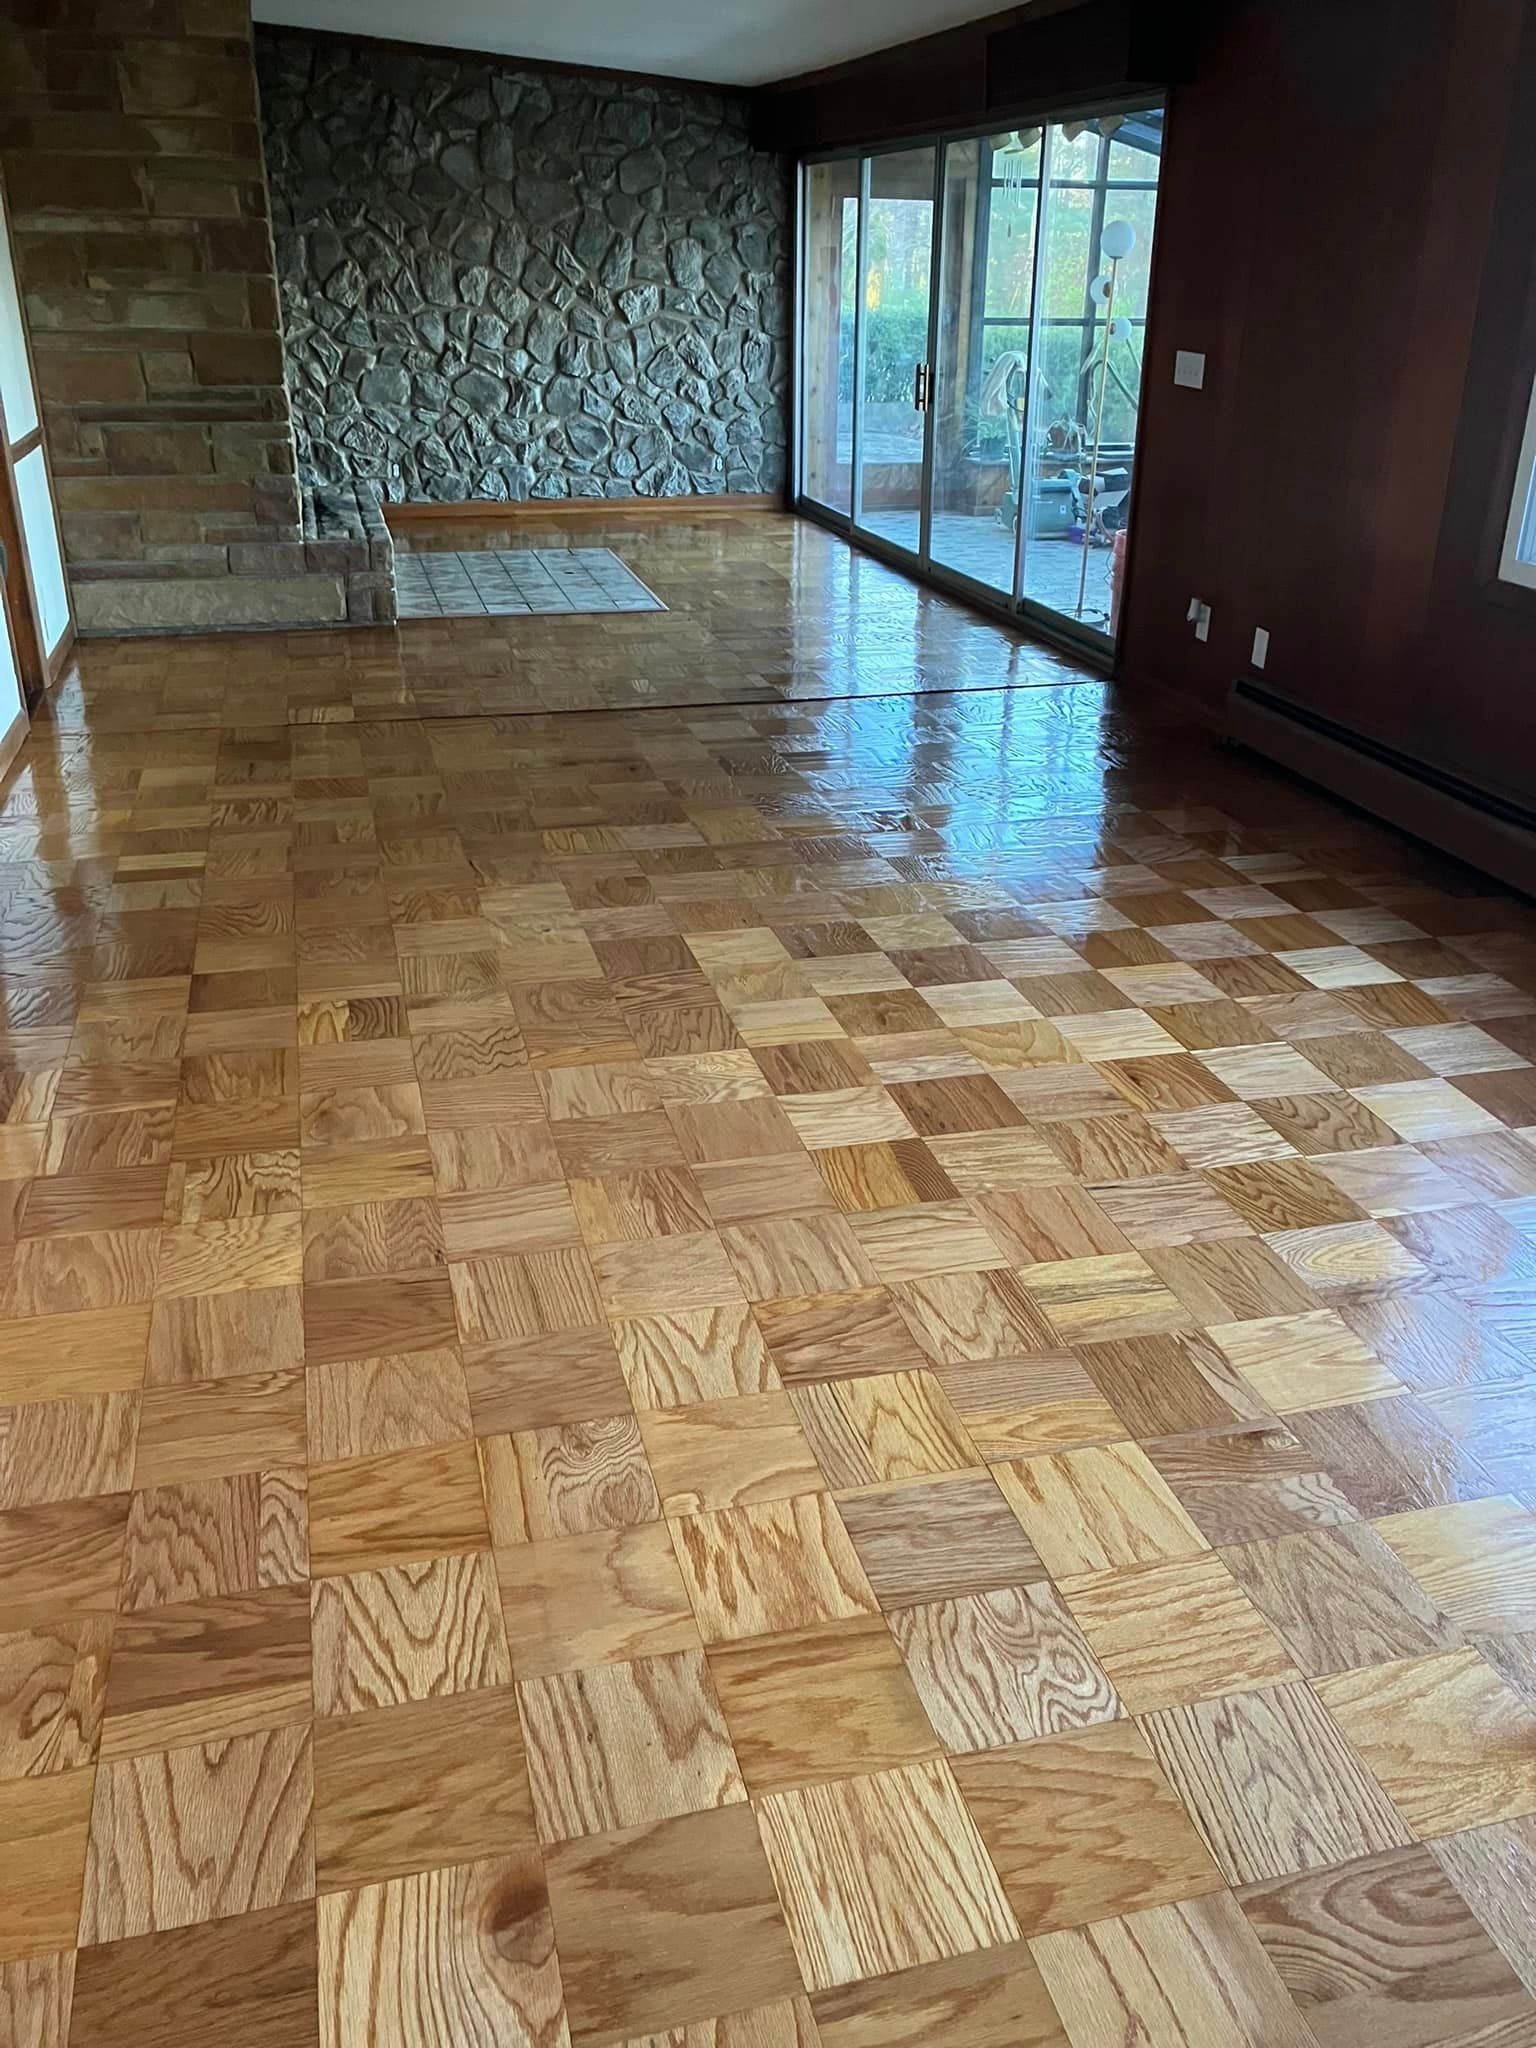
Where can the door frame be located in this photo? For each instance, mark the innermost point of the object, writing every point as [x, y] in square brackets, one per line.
[38, 667]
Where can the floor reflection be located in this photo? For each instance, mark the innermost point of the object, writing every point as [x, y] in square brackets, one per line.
[762, 608]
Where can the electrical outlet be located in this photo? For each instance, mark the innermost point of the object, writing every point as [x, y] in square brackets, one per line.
[1260, 646]
[1200, 612]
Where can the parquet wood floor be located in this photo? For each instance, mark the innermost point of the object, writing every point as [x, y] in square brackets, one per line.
[762, 609]
[770, 1376]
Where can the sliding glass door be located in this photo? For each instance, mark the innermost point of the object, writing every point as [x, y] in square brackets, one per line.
[896, 249]
[976, 310]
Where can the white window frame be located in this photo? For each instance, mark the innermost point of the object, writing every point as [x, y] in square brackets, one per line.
[1513, 568]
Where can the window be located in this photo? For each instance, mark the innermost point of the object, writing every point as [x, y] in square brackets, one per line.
[1519, 560]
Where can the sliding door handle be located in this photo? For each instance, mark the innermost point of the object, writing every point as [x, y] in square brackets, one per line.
[922, 387]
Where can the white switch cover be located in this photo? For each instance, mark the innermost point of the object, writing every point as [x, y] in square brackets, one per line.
[1260, 646]
[1189, 369]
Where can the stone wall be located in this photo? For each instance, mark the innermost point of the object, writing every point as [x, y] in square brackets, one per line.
[132, 157]
[502, 283]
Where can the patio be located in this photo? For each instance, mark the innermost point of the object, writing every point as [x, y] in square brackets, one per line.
[975, 545]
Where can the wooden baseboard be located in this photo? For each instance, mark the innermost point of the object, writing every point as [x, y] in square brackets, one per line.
[721, 503]
[11, 740]
[62, 652]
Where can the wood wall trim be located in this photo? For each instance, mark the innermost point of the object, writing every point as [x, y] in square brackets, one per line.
[507, 60]
[11, 741]
[721, 504]
[1045, 58]
[54, 663]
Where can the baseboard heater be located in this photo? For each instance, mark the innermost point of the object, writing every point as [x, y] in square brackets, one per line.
[1481, 827]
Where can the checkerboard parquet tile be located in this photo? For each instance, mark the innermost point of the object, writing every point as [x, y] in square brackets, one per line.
[760, 1378]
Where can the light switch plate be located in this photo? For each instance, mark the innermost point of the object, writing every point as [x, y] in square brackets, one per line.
[1260, 646]
[1189, 369]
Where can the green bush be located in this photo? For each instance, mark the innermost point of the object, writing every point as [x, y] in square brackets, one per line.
[895, 339]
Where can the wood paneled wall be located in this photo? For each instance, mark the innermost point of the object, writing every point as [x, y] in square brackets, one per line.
[1347, 230]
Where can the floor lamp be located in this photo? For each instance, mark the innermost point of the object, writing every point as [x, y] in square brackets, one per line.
[1115, 244]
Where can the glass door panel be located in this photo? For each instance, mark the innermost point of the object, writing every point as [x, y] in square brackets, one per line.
[981, 364]
[828, 302]
[896, 304]
[36, 593]
[1098, 208]
[40, 537]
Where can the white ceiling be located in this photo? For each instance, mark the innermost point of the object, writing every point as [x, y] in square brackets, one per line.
[740, 42]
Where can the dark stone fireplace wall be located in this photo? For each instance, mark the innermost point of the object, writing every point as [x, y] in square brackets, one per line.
[506, 283]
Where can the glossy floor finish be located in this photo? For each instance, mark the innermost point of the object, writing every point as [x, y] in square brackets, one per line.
[761, 608]
[802, 1376]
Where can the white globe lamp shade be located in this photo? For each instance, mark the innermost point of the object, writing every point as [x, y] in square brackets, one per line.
[1120, 328]
[1098, 291]
[1117, 240]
